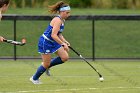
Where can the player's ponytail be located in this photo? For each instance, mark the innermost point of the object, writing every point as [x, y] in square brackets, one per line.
[2, 2]
[56, 7]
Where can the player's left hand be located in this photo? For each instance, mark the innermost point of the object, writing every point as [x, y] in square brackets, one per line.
[65, 46]
[68, 44]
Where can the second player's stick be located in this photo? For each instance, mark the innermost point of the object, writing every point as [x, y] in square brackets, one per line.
[23, 42]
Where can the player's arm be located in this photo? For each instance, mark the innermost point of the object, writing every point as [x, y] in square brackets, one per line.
[63, 39]
[56, 27]
[0, 15]
[56, 23]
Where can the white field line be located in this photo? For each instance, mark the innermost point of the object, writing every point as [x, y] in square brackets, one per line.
[74, 89]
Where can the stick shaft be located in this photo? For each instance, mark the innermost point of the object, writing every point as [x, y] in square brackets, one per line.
[85, 61]
[14, 42]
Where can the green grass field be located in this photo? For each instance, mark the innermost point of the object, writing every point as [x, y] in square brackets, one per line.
[71, 77]
[74, 11]
[113, 38]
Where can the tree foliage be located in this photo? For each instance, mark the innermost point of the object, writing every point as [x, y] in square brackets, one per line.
[124, 4]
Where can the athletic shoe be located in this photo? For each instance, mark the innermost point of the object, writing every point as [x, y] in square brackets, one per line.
[35, 81]
[48, 72]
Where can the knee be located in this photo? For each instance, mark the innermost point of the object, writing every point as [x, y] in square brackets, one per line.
[65, 58]
[46, 64]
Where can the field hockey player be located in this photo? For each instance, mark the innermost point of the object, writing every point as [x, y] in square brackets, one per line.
[3, 7]
[52, 41]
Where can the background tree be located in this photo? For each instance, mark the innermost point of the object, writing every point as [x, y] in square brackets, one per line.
[122, 4]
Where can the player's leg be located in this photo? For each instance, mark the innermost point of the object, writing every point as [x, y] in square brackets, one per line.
[62, 57]
[41, 69]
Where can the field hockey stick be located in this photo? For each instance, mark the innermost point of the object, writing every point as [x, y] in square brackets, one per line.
[101, 77]
[23, 42]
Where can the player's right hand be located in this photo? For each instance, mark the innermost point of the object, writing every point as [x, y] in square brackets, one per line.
[65, 46]
[1, 39]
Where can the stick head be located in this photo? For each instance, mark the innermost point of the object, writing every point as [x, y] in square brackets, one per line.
[101, 79]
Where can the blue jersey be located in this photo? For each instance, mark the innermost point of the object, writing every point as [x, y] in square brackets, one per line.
[48, 31]
[46, 43]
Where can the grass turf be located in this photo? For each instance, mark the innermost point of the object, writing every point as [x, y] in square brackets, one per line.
[71, 77]
[112, 38]
[74, 11]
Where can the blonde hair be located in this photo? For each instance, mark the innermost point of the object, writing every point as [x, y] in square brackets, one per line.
[53, 9]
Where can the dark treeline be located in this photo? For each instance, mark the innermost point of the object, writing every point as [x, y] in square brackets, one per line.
[123, 4]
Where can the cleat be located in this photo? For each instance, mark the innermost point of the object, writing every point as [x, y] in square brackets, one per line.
[35, 81]
[48, 72]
